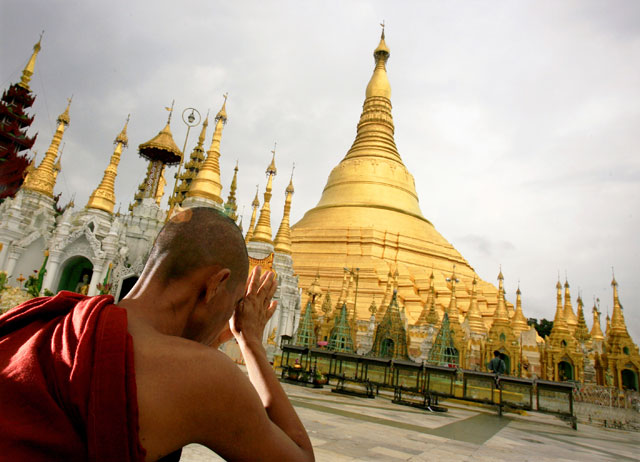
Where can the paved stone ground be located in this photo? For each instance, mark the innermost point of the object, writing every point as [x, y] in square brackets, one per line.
[344, 428]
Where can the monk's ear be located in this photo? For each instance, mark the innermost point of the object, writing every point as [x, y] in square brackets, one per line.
[217, 279]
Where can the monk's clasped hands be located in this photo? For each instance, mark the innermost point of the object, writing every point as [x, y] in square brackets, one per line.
[252, 314]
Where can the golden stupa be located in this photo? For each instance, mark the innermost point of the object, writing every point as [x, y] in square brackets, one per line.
[369, 222]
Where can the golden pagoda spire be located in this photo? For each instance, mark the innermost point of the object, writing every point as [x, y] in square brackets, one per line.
[618, 325]
[104, 198]
[519, 321]
[474, 316]
[283, 236]
[230, 207]
[569, 316]
[596, 330]
[27, 73]
[207, 185]
[581, 332]
[43, 178]
[254, 205]
[262, 233]
[424, 314]
[559, 323]
[501, 315]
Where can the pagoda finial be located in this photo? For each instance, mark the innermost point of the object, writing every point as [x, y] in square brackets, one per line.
[254, 205]
[379, 83]
[262, 233]
[207, 185]
[282, 242]
[230, 207]
[27, 73]
[222, 113]
[104, 198]
[170, 109]
[43, 178]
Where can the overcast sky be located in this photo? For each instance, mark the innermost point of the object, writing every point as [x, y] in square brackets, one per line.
[519, 120]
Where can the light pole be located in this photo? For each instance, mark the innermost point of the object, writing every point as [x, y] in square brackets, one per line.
[191, 120]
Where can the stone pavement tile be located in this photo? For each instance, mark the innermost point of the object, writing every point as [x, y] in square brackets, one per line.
[392, 453]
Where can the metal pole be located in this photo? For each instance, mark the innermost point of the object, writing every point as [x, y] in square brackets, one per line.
[190, 121]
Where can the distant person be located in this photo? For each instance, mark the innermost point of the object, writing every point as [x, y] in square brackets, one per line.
[84, 379]
[497, 364]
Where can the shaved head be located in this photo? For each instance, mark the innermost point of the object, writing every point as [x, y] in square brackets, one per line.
[197, 238]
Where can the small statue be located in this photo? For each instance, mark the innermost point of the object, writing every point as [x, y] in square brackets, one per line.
[271, 339]
[608, 378]
[82, 287]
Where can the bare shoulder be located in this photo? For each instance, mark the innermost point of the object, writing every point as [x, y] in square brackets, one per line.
[175, 378]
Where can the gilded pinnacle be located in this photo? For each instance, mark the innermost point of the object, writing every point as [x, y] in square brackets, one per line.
[104, 198]
[27, 73]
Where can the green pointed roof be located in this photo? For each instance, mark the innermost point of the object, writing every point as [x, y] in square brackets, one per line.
[305, 334]
[443, 352]
[341, 338]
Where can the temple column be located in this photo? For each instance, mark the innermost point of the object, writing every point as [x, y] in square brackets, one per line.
[14, 254]
[4, 248]
[52, 269]
[95, 279]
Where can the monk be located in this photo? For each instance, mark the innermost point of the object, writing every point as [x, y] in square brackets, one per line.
[84, 379]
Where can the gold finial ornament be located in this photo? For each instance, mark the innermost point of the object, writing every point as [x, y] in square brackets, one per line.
[569, 316]
[104, 197]
[43, 178]
[207, 185]
[282, 242]
[596, 330]
[581, 332]
[559, 323]
[254, 205]
[230, 207]
[618, 325]
[474, 316]
[262, 232]
[519, 321]
[27, 73]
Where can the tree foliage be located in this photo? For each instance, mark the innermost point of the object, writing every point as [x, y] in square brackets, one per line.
[543, 327]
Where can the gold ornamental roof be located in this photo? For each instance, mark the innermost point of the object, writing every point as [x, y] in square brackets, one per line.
[162, 147]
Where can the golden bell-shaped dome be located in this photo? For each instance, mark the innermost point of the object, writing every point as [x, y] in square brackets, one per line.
[368, 217]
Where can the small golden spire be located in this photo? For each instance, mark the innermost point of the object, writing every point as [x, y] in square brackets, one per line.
[519, 321]
[569, 316]
[501, 315]
[262, 233]
[207, 185]
[474, 316]
[27, 73]
[559, 323]
[254, 205]
[104, 198]
[230, 207]
[43, 178]
[596, 330]
[282, 242]
[618, 325]
[581, 332]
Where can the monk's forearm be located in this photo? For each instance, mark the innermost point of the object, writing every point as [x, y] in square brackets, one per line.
[273, 397]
